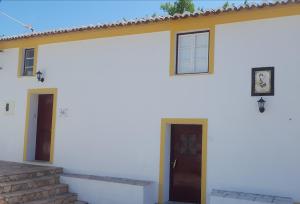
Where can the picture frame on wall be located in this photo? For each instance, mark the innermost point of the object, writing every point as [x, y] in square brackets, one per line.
[262, 81]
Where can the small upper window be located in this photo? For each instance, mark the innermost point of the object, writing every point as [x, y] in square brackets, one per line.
[192, 52]
[28, 62]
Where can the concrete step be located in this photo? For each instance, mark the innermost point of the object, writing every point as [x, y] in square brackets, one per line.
[80, 202]
[41, 193]
[13, 186]
[66, 198]
[30, 174]
[22, 183]
[175, 202]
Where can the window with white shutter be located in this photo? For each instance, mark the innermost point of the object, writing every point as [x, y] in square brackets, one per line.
[192, 52]
[28, 62]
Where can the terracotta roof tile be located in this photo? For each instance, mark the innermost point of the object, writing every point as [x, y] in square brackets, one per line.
[150, 19]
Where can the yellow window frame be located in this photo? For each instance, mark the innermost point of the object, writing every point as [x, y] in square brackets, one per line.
[21, 61]
[173, 50]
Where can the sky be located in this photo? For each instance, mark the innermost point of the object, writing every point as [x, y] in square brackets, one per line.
[45, 15]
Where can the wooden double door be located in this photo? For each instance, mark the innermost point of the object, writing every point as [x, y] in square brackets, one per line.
[185, 165]
[44, 127]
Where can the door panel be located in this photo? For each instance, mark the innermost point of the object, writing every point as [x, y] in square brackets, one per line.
[44, 126]
[185, 165]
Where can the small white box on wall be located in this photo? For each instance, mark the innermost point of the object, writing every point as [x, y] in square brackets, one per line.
[8, 107]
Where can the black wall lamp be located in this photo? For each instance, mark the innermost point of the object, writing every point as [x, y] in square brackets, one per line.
[261, 105]
[39, 76]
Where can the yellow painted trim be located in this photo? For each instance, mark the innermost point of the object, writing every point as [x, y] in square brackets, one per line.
[36, 92]
[172, 53]
[179, 25]
[212, 31]
[21, 61]
[173, 49]
[194, 121]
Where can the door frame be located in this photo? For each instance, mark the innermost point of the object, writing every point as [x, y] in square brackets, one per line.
[183, 121]
[40, 91]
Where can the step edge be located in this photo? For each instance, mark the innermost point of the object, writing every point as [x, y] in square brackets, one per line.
[33, 171]
[35, 190]
[3, 184]
[53, 198]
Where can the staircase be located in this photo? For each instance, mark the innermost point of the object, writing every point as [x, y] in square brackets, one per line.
[35, 186]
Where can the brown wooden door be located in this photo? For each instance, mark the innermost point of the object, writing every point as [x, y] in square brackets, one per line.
[185, 165]
[44, 125]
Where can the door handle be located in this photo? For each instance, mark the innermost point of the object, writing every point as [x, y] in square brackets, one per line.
[174, 164]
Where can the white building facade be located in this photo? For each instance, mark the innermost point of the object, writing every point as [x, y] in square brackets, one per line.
[116, 94]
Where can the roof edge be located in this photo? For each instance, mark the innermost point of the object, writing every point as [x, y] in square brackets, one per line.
[147, 20]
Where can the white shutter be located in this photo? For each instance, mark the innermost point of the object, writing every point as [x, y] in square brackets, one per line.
[186, 53]
[192, 56]
[201, 52]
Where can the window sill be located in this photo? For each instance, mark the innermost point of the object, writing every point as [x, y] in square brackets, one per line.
[192, 74]
[26, 76]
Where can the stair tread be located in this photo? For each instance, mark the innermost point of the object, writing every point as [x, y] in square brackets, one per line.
[28, 180]
[9, 168]
[54, 198]
[29, 174]
[35, 169]
[36, 190]
[80, 202]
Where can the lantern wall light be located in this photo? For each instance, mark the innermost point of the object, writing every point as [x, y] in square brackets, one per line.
[261, 105]
[39, 76]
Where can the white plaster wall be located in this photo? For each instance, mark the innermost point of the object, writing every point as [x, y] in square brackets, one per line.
[250, 151]
[117, 90]
[150, 194]
[100, 192]
[12, 126]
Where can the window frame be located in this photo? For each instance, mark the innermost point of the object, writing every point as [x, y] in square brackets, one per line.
[24, 61]
[21, 66]
[177, 48]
